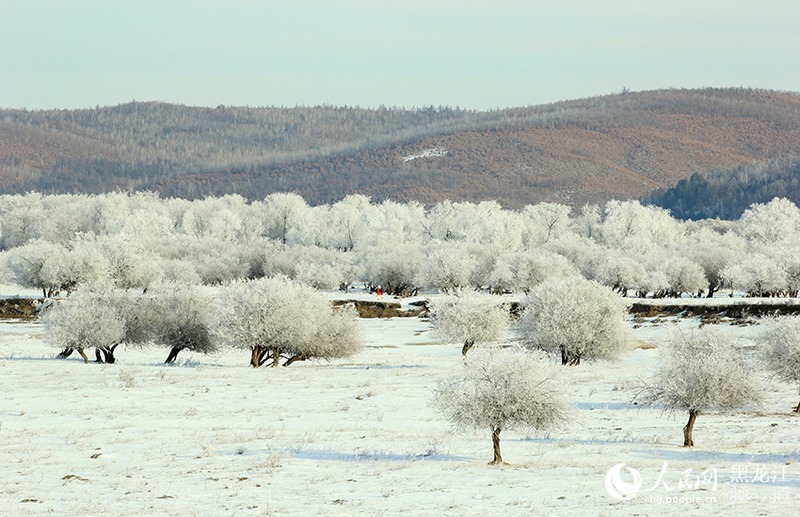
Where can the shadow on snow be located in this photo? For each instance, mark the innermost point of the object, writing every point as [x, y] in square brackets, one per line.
[366, 455]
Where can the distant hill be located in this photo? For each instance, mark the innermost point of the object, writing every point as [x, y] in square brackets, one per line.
[727, 194]
[621, 146]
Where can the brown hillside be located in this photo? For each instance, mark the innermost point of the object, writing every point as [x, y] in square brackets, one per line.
[592, 150]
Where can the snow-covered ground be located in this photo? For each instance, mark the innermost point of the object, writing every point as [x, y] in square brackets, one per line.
[434, 152]
[212, 436]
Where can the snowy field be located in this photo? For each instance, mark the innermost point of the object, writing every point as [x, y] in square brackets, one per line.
[213, 436]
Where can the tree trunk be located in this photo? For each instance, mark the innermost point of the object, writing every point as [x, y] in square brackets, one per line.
[469, 343]
[498, 458]
[255, 356]
[687, 430]
[105, 354]
[109, 352]
[569, 359]
[108, 355]
[294, 358]
[797, 409]
[276, 357]
[173, 354]
[68, 352]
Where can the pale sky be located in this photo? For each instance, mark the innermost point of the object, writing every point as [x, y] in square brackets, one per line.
[406, 53]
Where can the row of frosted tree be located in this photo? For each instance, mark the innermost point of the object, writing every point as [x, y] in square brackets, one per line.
[56, 243]
[574, 320]
[277, 320]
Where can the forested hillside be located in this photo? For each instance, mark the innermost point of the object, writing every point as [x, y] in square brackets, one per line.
[727, 194]
[621, 146]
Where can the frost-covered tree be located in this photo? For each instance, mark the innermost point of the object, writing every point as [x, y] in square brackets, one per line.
[278, 318]
[619, 271]
[503, 391]
[41, 265]
[335, 272]
[130, 264]
[656, 282]
[179, 271]
[701, 372]
[390, 223]
[451, 265]
[396, 267]
[23, 219]
[629, 226]
[55, 268]
[321, 268]
[670, 274]
[213, 260]
[139, 313]
[336, 334]
[66, 215]
[284, 214]
[758, 274]
[313, 229]
[488, 225]
[588, 222]
[84, 320]
[497, 229]
[780, 349]
[582, 252]
[469, 318]
[684, 276]
[787, 256]
[215, 218]
[776, 221]
[544, 222]
[89, 264]
[141, 216]
[182, 319]
[347, 220]
[441, 221]
[712, 251]
[577, 319]
[134, 310]
[523, 270]
[59, 218]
